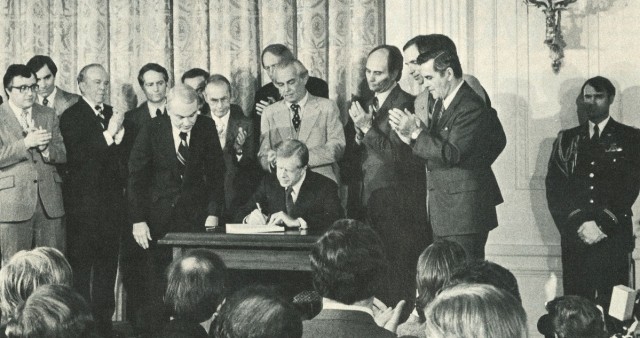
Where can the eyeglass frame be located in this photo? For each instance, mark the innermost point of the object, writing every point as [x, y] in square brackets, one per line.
[22, 89]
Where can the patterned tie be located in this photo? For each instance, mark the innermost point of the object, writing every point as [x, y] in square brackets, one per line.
[596, 134]
[183, 151]
[296, 116]
[438, 109]
[25, 119]
[45, 102]
[376, 105]
[101, 118]
[289, 200]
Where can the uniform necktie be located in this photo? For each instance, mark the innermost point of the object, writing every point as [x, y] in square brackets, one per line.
[158, 112]
[296, 116]
[289, 200]
[45, 102]
[101, 118]
[183, 150]
[596, 134]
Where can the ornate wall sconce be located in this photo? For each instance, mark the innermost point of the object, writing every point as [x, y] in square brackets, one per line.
[553, 11]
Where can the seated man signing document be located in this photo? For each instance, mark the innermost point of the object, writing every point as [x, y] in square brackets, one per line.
[296, 197]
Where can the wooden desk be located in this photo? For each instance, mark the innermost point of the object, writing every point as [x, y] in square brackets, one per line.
[282, 251]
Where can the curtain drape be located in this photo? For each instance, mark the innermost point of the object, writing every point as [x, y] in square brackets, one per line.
[331, 37]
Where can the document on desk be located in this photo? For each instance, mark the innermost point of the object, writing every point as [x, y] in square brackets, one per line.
[252, 229]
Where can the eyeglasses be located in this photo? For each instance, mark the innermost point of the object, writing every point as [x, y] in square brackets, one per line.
[24, 88]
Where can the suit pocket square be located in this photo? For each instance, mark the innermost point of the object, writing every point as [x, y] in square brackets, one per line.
[7, 182]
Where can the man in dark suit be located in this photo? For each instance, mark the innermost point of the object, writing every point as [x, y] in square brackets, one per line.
[30, 188]
[592, 182]
[196, 78]
[347, 264]
[153, 79]
[176, 182]
[235, 132]
[95, 139]
[268, 94]
[391, 190]
[49, 94]
[297, 197]
[459, 149]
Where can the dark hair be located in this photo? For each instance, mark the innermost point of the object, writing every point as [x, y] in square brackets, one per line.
[258, 312]
[600, 83]
[442, 59]
[277, 49]
[431, 42]
[14, 71]
[194, 72]
[293, 147]
[394, 59]
[195, 285]
[572, 317]
[37, 62]
[217, 79]
[154, 67]
[486, 272]
[435, 265]
[348, 262]
[53, 311]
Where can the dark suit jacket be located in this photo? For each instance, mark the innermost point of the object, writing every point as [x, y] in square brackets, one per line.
[575, 197]
[240, 176]
[318, 202]
[179, 328]
[157, 194]
[64, 100]
[386, 161]
[137, 117]
[343, 324]
[459, 150]
[96, 171]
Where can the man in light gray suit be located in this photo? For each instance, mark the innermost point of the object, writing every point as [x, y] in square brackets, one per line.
[49, 94]
[304, 117]
[30, 187]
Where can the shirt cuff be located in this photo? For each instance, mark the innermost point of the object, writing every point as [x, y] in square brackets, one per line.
[108, 138]
[415, 134]
[303, 224]
[45, 154]
[404, 139]
[119, 136]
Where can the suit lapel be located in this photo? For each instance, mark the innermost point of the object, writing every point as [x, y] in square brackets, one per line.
[311, 114]
[448, 113]
[232, 130]
[10, 120]
[165, 142]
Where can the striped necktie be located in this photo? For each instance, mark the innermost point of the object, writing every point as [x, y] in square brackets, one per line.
[183, 151]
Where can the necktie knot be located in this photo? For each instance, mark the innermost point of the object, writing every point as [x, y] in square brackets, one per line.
[596, 133]
[295, 120]
[183, 136]
[159, 112]
[45, 102]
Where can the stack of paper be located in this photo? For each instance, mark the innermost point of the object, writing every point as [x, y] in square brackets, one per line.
[252, 229]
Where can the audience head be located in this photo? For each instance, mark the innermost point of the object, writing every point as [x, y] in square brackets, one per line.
[195, 285]
[53, 311]
[154, 79]
[217, 94]
[272, 55]
[292, 159]
[183, 107]
[485, 272]
[441, 71]
[383, 68]
[348, 262]
[435, 265]
[258, 312]
[28, 270]
[597, 96]
[290, 77]
[195, 78]
[20, 85]
[475, 310]
[423, 44]
[572, 317]
[45, 70]
[93, 82]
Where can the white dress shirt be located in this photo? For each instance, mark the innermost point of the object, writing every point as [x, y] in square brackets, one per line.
[51, 98]
[601, 126]
[110, 139]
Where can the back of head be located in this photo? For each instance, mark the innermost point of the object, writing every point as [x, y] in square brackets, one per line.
[53, 311]
[347, 262]
[195, 285]
[258, 312]
[572, 317]
[485, 272]
[194, 72]
[28, 270]
[475, 311]
[435, 265]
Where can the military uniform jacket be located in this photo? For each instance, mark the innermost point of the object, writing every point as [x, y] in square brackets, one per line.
[595, 181]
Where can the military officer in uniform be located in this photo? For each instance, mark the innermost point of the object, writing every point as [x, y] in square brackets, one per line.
[592, 182]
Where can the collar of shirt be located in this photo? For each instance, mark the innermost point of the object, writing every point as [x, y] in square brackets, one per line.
[176, 137]
[93, 105]
[601, 126]
[51, 98]
[296, 187]
[383, 96]
[18, 112]
[447, 101]
[221, 120]
[153, 107]
[300, 103]
[329, 304]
